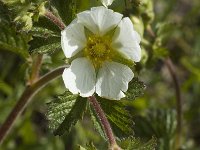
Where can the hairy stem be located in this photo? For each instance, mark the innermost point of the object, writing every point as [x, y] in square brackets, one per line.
[55, 19]
[104, 122]
[26, 97]
[179, 102]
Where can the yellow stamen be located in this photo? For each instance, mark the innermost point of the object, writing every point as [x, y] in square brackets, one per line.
[98, 50]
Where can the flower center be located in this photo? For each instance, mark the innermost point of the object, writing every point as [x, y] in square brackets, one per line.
[98, 50]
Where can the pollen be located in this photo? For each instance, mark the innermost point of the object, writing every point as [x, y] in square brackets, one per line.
[98, 50]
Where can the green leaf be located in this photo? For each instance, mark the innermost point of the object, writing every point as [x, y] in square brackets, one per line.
[160, 52]
[135, 89]
[25, 12]
[97, 125]
[50, 48]
[147, 11]
[66, 9]
[45, 23]
[12, 41]
[89, 146]
[161, 123]
[45, 45]
[81, 148]
[65, 111]
[42, 32]
[138, 24]
[118, 117]
[5, 87]
[46, 37]
[138, 144]
[4, 14]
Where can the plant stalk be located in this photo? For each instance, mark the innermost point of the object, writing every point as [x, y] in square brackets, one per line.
[54, 19]
[179, 102]
[26, 97]
[104, 122]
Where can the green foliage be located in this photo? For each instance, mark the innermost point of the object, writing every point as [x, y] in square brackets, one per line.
[45, 40]
[97, 125]
[42, 32]
[46, 24]
[12, 41]
[146, 11]
[49, 48]
[130, 143]
[89, 146]
[118, 117]
[45, 45]
[64, 112]
[65, 9]
[138, 24]
[160, 123]
[136, 89]
[4, 14]
[173, 32]
[138, 144]
[25, 11]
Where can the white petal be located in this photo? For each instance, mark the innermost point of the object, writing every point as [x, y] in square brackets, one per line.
[126, 40]
[80, 77]
[112, 80]
[107, 2]
[99, 20]
[73, 39]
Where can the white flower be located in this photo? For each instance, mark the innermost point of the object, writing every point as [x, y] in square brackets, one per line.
[95, 41]
[107, 3]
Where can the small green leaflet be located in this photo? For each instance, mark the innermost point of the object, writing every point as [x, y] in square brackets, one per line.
[45, 41]
[89, 146]
[97, 125]
[47, 24]
[137, 144]
[118, 117]
[135, 89]
[161, 123]
[25, 12]
[65, 9]
[65, 111]
[130, 143]
[45, 45]
[49, 48]
[42, 32]
[12, 41]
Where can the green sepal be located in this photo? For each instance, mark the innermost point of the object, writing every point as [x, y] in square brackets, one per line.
[122, 59]
[135, 89]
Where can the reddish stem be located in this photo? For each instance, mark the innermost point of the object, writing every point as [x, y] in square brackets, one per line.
[55, 19]
[26, 97]
[179, 101]
[104, 122]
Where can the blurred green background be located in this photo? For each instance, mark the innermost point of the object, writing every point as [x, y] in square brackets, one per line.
[170, 28]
